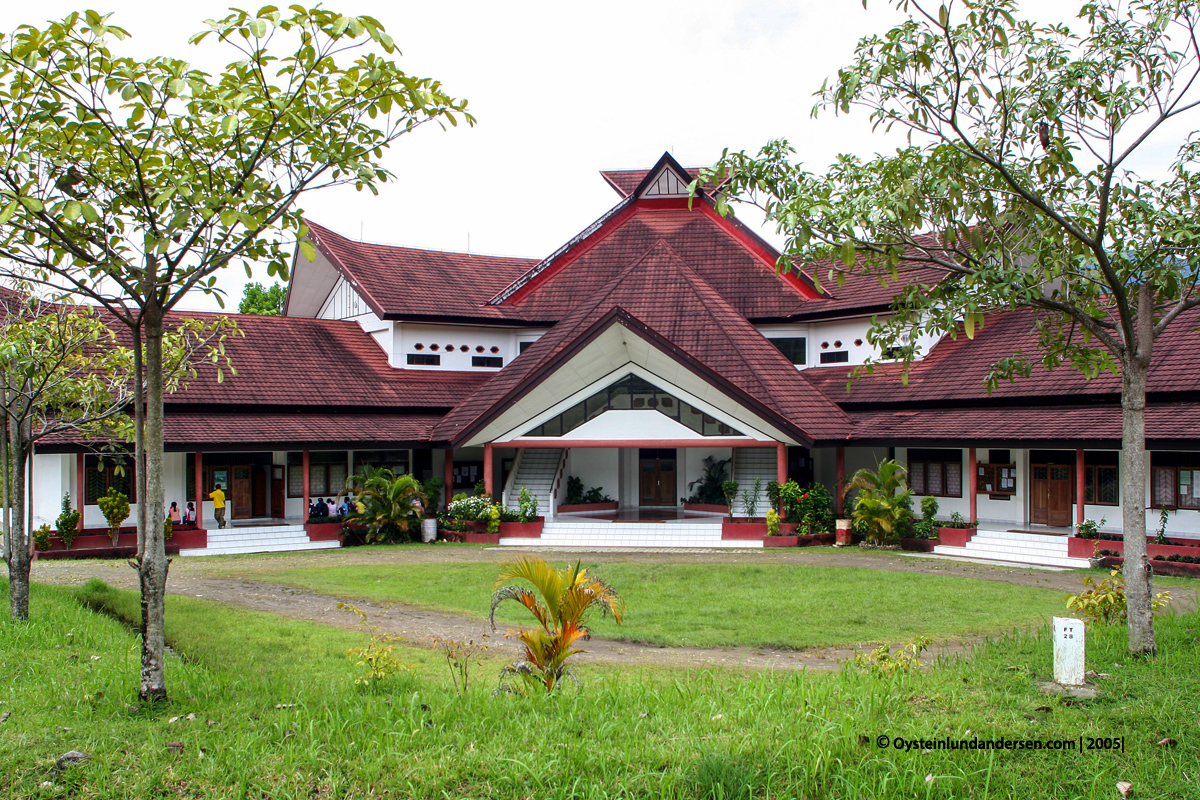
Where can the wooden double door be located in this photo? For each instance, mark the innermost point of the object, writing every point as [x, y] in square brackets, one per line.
[657, 477]
[1052, 488]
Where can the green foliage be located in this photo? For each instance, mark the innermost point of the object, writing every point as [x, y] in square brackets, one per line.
[480, 489]
[263, 300]
[493, 520]
[884, 662]
[772, 522]
[528, 506]
[576, 494]
[729, 491]
[393, 505]
[433, 492]
[957, 520]
[927, 526]
[1089, 528]
[560, 602]
[41, 537]
[883, 506]
[1103, 602]
[67, 524]
[115, 507]
[708, 489]
[1160, 537]
[813, 503]
[377, 658]
[168, 529]
[773, 498]
[475, 509]
[750, 498]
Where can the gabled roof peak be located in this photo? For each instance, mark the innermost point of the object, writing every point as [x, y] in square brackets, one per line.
[667, 178]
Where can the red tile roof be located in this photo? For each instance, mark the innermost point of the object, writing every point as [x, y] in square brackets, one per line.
[403, 281]
[624, 181]
[1164, 422]
[215, 429]
[290, 361]
[955, 369]
[663, 293]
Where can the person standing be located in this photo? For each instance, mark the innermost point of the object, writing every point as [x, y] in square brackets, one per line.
[218, 498]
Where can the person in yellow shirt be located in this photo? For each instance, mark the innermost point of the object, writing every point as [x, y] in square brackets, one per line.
[218, 498]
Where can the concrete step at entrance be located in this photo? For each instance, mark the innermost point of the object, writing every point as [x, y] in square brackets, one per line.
[1016, 547]
[264, 539]
[630, 534]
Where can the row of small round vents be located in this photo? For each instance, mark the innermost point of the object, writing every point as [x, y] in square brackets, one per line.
[838, 343]
[451, 348]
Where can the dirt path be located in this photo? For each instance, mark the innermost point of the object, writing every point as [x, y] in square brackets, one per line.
[230, 580]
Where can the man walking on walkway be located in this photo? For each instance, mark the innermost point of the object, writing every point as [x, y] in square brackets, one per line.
[218, 498]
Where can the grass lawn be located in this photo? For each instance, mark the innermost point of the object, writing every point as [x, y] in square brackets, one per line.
[70, 681]
[711, 605]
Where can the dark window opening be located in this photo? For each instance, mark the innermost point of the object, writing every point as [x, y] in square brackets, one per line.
[794, 347]
[835, 357]
[101, 474]
[636, 393]
[495, 362]
[936, 473]
[1175, 480]
[424, 359]
[523, 346]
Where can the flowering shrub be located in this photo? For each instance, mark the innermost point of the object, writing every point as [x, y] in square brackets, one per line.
[475, 509]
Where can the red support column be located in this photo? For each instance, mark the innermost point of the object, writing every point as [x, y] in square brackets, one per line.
[781, 475]
[972, 483]
[80, 486]
[199, 470]
[449, 476]
[487, 470]
[1079, 472]
[304, 508]
[840, 473]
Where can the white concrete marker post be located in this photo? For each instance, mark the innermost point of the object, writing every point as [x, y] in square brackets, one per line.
[1068, 651]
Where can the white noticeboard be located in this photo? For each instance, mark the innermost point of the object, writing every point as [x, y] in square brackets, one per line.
[1068, 651]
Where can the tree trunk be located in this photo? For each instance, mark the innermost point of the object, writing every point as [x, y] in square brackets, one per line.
[1138, 579]
[153, 566]
[139, 438]
[19, 537]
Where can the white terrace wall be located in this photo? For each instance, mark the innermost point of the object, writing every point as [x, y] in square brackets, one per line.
[595, 466]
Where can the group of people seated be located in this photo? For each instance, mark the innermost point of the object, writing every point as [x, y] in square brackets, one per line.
[328, 508]
[188, 517]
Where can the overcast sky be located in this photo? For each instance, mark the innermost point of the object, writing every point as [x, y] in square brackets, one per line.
[562, 90]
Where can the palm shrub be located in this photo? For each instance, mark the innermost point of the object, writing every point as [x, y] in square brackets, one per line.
[391, 504]
[67, 523]
[559, 601]
[115, 507]
[883, 508]
[707, 489]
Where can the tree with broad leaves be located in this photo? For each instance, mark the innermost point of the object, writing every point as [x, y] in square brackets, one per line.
[259, 299]
[132, 182]
[1017, 189]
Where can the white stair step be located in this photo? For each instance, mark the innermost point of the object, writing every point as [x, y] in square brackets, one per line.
[271, 548]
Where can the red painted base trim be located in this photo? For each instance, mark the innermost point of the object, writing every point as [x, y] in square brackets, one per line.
[567, 509]
[324, 531]
[101, 546]
[743, 530]
[955, 537]
[920, 545]
[1083, 548]
[707, 507]
[781, 541]
[522, 530]
[481, 538]
[1178, 569]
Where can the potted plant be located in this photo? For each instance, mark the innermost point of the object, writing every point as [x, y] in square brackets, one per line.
[775, 536]
[115, 507]
[958, 531]
[67, 524]
[923, 534]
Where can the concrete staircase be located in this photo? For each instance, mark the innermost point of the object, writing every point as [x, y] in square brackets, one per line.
[750, 463]
[1018, 548]
[598, 533]
[535, 470]
[264, 539]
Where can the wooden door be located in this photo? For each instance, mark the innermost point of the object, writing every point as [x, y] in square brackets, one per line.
[260, 491]
[657, 478]
[1052, 491]
[241, 493]
[277, 488]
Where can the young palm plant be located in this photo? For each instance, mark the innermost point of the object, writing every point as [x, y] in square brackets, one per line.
[884, 503]
[559, 601]
[391, 503]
